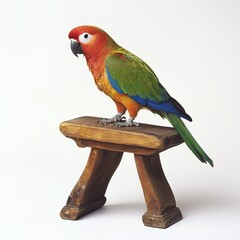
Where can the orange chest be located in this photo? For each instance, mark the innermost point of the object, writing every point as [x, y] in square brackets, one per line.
[104, 85]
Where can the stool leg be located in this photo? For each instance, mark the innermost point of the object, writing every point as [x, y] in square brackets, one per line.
[161, 206]
[88, 193]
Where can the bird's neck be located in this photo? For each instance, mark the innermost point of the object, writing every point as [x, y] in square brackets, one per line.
[96, 61]
[96, 65]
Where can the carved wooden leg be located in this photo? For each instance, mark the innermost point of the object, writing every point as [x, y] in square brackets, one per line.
[161, 206]
[88, 193]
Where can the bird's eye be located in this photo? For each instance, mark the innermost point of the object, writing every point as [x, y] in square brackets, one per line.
[85, 38]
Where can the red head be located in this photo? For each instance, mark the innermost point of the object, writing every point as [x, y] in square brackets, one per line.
[91, 41]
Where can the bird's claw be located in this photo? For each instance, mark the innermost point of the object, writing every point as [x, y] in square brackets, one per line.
[116, 119]
[127, 124]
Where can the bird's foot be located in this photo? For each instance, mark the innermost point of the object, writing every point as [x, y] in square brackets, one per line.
[118, 118]
[128, 123]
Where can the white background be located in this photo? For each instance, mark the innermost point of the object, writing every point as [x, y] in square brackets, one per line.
[193, 46]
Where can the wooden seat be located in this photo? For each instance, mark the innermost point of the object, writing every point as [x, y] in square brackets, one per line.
[107, 144]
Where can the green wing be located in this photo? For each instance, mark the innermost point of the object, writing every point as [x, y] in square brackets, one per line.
[130, 75]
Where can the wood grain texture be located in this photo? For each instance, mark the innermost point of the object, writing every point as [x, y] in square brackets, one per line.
[145, 136]
[161, 205]
[107, 146]
[114, 147]
[88, 193]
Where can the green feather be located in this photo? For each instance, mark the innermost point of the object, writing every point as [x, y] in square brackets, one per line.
[135, 77]
[187, 137]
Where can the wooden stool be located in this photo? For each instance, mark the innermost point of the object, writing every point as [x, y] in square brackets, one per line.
[107, 146]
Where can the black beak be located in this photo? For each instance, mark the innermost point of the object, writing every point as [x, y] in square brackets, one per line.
[76, 48]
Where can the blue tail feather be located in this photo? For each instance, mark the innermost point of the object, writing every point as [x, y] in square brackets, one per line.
[169, 106]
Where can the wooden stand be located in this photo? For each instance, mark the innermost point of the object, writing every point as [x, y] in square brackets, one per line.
[107, 146]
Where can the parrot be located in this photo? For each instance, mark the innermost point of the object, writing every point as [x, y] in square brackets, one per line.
[130, 83]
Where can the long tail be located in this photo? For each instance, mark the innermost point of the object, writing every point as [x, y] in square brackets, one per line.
[187, 137]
